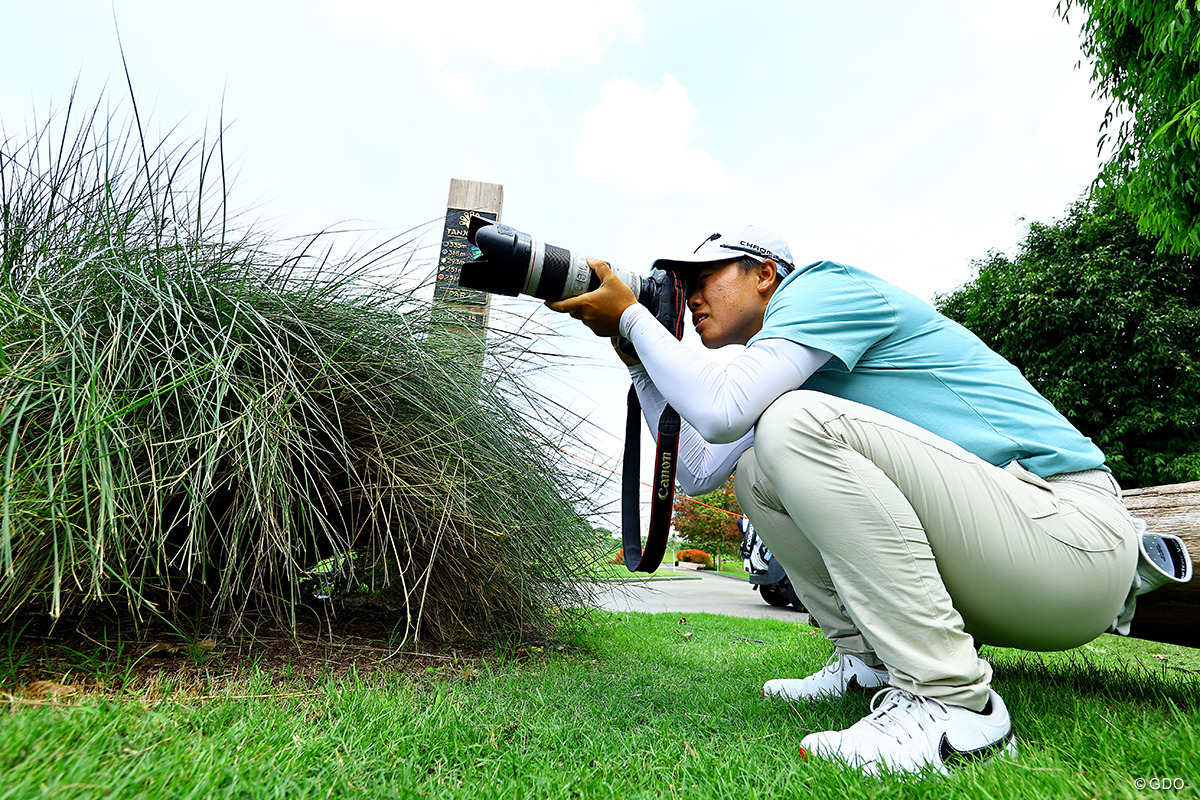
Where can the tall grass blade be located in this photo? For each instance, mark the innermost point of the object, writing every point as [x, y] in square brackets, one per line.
[193, 415]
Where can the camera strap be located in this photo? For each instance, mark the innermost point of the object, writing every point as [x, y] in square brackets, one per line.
[668, 311]
[637, 559]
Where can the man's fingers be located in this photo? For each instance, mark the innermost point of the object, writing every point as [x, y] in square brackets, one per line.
[572, 305]
[601, 268]
[601, 309]
[564, 306]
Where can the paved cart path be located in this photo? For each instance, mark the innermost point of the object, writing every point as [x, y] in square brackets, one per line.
[697, 592]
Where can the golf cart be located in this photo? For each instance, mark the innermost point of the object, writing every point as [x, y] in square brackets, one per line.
[766, 573]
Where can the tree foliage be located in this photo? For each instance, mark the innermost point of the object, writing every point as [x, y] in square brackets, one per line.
[1146, 63]
[709, 521]
[1107, 327]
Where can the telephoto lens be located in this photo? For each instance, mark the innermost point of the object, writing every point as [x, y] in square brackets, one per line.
[511, 262]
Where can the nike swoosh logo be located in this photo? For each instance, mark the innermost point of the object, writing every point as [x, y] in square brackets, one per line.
[953, 757]
[852, 685]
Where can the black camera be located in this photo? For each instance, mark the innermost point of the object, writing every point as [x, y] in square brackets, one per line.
[511, 262]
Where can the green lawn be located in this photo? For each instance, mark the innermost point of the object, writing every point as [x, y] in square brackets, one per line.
[618, 572]
[734, 568]
[609, 571]
[640, 705]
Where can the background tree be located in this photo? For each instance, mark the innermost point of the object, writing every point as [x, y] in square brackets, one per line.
[709, 521]
[1146, 63]
[1106, 326]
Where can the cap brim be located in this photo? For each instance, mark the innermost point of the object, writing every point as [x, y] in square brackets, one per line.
[694, 261]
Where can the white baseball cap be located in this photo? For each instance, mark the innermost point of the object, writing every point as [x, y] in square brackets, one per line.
[758, 243]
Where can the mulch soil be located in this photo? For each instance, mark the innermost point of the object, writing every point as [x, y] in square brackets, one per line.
[113, 655]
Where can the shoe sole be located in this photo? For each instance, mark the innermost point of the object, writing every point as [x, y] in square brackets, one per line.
[852, 685]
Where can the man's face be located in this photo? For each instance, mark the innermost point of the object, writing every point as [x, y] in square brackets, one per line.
[728, 304]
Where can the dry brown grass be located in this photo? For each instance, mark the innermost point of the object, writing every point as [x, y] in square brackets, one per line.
[145, 663]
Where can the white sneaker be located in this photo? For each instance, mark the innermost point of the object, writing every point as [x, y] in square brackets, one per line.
[842, 673]
[907, 733]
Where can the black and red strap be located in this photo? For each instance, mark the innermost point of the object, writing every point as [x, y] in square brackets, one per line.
[671, 302]
[638, 559]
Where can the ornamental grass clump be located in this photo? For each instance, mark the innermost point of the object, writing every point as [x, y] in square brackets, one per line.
[192, 416]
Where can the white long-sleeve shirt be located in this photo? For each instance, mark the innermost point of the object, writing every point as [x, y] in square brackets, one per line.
[718, 402]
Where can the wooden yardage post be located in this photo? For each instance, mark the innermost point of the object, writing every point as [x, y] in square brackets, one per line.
[465, 309]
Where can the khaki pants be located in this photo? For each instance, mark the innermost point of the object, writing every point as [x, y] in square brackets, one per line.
[905, 548]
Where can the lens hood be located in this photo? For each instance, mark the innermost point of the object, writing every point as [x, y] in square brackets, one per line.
[504, 257]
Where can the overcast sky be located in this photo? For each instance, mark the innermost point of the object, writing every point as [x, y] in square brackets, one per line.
[907, 139]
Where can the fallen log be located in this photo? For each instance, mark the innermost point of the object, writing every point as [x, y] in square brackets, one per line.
[1170, 614]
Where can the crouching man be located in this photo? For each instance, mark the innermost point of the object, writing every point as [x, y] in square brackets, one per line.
[922, 496]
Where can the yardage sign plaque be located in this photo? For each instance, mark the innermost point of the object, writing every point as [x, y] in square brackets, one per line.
[454, 251]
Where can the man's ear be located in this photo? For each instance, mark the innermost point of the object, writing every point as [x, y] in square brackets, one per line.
[766, 275]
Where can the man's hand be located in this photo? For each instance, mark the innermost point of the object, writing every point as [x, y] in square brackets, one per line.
[629, 361]
[601, 309]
